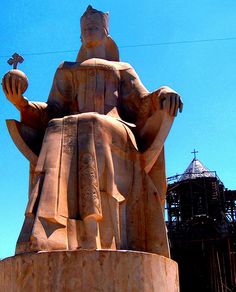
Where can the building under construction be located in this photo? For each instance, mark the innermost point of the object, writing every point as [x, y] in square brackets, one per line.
[202, 229]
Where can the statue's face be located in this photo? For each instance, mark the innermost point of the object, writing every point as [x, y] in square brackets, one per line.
[92, 33]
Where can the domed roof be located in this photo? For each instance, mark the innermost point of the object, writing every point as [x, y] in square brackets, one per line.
[195, 170]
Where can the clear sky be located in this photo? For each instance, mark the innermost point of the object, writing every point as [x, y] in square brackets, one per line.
[187, 45]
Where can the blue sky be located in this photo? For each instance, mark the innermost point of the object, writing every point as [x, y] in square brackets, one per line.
[204, 73]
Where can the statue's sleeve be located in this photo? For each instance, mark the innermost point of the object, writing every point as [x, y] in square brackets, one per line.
[38, 114]
[137, 103]
[141, 107]
[152, 126]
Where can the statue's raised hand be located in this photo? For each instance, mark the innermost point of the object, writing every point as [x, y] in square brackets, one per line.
[170, 100]
[14, 84]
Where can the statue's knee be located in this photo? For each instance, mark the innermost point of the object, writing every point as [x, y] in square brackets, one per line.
[55, 122]
[94, 118]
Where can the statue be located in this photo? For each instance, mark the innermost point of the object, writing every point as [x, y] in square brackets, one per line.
[96, 152]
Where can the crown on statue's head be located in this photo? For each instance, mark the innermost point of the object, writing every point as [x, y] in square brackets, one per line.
[94, 16]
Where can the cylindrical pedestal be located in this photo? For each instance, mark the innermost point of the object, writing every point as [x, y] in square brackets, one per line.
[102, 270]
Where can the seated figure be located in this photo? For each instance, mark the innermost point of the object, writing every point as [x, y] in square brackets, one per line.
[97, 178]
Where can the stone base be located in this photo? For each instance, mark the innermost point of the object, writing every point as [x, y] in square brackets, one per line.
[88, 271]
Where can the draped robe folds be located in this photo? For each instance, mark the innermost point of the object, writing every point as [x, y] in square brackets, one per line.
[99, 120]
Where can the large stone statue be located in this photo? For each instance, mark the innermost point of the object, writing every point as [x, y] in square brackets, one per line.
[96, 151]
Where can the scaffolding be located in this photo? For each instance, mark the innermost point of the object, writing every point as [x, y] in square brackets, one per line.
[201, 222]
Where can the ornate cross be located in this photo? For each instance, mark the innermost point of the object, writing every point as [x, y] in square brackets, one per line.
[194, 153]
[15, 59]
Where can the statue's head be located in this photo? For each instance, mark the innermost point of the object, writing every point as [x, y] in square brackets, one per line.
[95, 32]
[94, 27]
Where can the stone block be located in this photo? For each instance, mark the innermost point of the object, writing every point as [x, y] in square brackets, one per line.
[85, 270]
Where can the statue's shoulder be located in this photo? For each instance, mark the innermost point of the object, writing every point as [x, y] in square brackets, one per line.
[68, 65]
[95, 62]
[104, 64]
[123, 65]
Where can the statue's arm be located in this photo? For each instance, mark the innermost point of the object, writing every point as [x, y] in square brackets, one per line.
[37, 114]
[31, 112]
[145, 103]
[34, 114]
[132, 96]
[148, 110]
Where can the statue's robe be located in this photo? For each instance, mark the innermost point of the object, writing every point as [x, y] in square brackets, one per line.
[100, 121]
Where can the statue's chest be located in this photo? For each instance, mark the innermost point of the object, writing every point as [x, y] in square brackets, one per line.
[96, 89]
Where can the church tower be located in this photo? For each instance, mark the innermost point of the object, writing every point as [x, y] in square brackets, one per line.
[201, 221]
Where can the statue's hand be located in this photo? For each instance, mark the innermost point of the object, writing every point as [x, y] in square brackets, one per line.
[170, 100]
[12, 86]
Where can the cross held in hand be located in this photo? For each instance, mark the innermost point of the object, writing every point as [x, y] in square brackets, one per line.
[15, 59]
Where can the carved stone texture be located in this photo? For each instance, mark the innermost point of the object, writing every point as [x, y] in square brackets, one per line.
[84, 271]
[98, 180]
